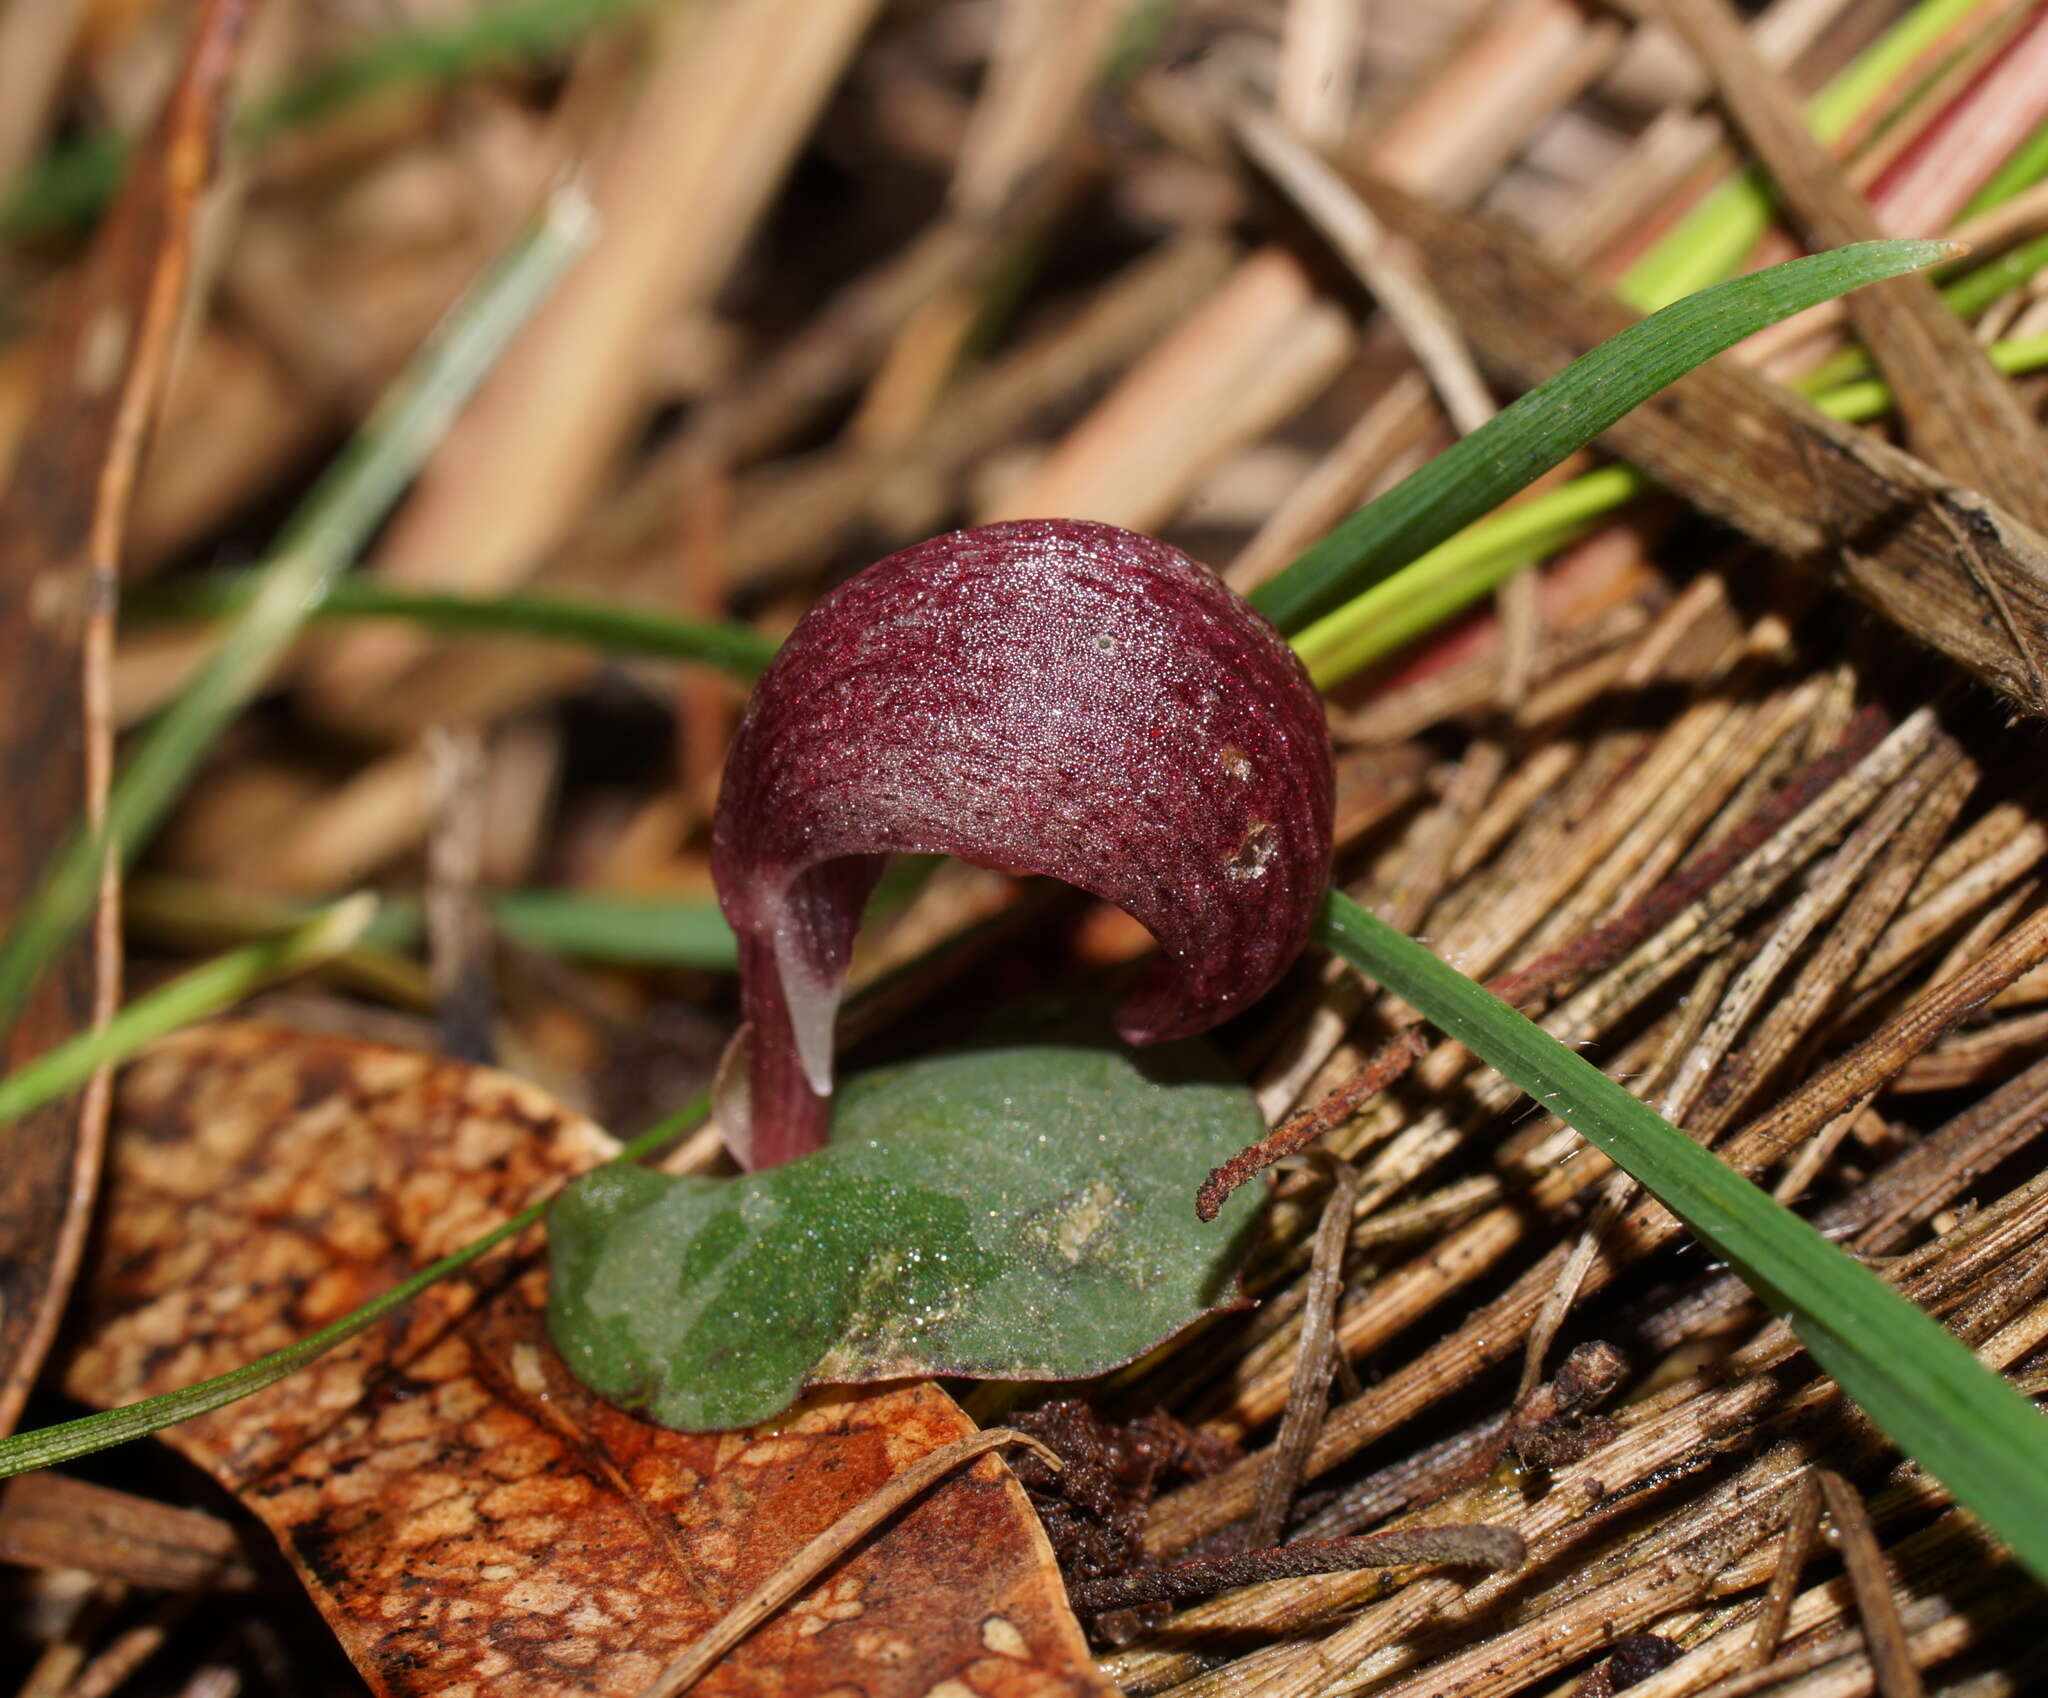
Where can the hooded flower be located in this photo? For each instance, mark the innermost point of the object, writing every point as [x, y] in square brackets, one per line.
[1047, 696]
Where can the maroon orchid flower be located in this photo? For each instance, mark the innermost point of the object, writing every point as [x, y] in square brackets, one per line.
[1047, 696]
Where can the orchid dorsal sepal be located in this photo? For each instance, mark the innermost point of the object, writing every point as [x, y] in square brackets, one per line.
[1046, 696]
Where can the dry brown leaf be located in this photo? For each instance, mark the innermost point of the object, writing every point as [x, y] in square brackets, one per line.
[62, 519]
[470, 1519]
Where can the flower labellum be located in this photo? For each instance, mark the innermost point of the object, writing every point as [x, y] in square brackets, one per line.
[1046, 696]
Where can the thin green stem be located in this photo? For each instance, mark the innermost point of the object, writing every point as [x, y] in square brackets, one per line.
[598, 927]
[191, 997]
[2025, 166]
[618, 629]
[1471, 565]
[47, 1446]
[1561, 415]
[1711, 241]
[324, 537]
[1985, 1442]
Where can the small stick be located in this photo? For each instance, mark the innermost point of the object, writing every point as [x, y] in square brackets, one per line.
[826, 1549]
[1884, 1635]
[1377, 260]
[1382, 264]
[1308, 1397]
[1802, 1526]
[1972, 557]
[1474, 1546]
[1960, 413]
[1388, 1064]
[112, 1668]
[1608, 943]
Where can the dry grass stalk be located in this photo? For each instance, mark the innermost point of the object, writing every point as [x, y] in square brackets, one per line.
[103, 366]
[1713, 839]
[1960, 413]
[1892, 1666]
[1752, 455]
[50, 1520]
[1309, 1392]
[724, 107]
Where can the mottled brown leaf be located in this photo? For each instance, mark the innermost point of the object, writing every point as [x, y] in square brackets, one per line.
[469, 1519]
[62, 517]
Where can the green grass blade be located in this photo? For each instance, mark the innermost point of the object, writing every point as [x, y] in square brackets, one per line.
[1371, 625]
[1403, 606]
[1452, 576]
[659, 931]
[1449, 578]
[1712, 240]
[191, 997]
[1984, 1441]
[610, 626]
[589, 925]
[1558, 417]
[649, 931]
[1966, 296]
[322, 539]
[45, 1447]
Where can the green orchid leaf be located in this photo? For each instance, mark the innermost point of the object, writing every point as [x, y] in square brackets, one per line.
[1010, 1213]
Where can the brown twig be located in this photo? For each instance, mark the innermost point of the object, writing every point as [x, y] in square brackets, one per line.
[1309, 1394]
[1802, 1526]
[63, 521]
[52, 1521]
[1431, 333]
[1388, 1064]
[1961, 414]
[1838, 500]
[108, 1672]
[827, 1548]
[1608, 943]
[1463, 1547]
[1883, 1633]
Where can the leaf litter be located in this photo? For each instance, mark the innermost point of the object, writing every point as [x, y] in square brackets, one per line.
[101, 372]
[467, 1517]
[1658, 1520]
